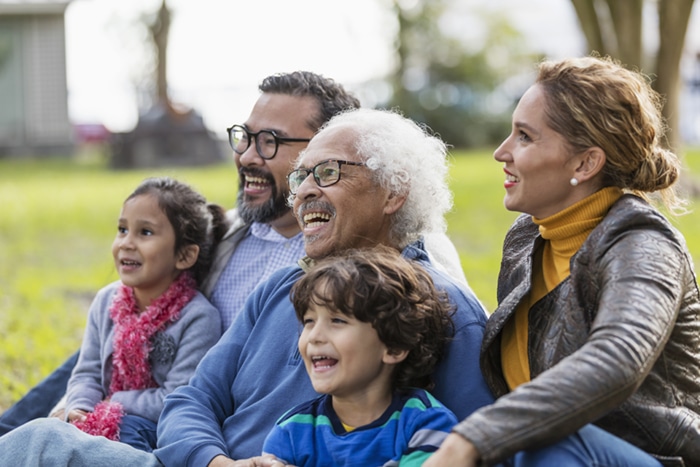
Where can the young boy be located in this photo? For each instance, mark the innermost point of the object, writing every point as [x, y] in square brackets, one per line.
[374, 327]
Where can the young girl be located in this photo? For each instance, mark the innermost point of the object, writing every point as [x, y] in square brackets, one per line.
[374, 329]
[146, 333]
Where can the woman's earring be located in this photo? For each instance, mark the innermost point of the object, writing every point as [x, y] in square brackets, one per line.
[573, 181]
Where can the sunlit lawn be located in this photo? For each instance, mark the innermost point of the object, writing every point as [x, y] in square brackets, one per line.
[58, 222]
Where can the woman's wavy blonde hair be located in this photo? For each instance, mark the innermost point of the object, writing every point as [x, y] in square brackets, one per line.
[594, 101]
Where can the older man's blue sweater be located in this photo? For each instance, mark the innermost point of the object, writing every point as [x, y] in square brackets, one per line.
[255, 374]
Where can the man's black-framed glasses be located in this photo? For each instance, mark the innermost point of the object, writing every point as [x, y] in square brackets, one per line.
[266, 141]
[326, 173]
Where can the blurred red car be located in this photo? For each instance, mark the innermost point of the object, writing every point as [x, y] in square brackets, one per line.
[91, 133]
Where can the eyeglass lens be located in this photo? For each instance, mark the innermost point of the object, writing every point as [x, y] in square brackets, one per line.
[325, 174]
[265, 141]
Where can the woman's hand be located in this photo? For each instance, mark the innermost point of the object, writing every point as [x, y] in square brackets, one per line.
[455, 450]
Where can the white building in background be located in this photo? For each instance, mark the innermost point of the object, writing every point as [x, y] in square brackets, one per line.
[33, 90]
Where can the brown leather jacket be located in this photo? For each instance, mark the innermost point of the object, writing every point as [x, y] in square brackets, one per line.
[617, 343]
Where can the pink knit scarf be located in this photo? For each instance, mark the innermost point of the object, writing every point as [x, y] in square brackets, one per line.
[131, 347]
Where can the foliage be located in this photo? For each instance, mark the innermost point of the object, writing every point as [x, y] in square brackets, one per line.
[453, 81]
[59, 220]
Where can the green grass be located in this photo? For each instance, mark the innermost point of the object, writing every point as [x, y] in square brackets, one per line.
[59, 218]
[478, 221]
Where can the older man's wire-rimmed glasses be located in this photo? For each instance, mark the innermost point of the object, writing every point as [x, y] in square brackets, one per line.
[326, 173]
[266, 141]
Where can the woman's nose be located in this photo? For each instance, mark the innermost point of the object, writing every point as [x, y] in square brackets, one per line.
[501, 152]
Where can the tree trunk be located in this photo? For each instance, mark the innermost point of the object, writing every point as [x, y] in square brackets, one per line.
[674, 16]
[160, 31]
[626, 17]
[590, 25]
[627, 22]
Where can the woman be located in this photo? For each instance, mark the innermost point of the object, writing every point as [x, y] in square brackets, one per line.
[599, 311]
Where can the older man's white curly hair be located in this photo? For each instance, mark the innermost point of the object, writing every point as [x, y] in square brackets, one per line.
[407, 160]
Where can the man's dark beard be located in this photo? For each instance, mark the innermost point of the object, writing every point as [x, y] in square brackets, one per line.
[274, 208]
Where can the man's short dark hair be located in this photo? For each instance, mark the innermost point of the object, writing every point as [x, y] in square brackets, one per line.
[331, 96]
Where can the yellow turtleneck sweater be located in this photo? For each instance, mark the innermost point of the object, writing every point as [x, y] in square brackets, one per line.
[564, 233]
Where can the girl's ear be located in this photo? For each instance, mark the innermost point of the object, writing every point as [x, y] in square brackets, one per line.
[187, 256]
[392, 357]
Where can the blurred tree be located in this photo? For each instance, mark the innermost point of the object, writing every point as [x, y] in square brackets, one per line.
[463, 87]
[165, 134]
[160, 30]
[614, 27]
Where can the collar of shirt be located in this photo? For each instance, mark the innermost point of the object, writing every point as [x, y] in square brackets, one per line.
[266, 232]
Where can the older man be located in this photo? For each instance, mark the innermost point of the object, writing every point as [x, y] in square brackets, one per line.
[369, 177]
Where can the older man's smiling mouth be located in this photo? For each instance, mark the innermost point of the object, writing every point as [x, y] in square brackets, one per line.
[316, 219]
[315, 214]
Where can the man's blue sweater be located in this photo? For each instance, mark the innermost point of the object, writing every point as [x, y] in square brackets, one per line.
[255, 374]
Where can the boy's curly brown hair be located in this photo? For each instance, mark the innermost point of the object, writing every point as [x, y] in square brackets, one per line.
[395, 295]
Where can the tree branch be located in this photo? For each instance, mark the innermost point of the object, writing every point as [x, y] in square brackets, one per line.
[674, 16]
[590, 25]
[627, 23]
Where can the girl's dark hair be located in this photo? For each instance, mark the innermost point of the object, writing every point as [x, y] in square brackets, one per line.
[194, 221]
[396, 296]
